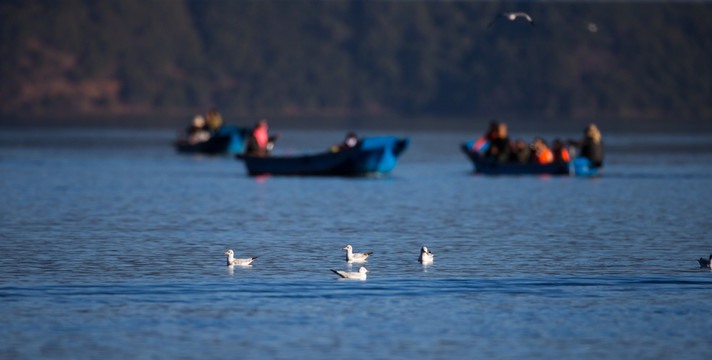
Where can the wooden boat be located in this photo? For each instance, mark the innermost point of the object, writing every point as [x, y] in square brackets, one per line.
[371, 156]
[228, 140]
[579, 166]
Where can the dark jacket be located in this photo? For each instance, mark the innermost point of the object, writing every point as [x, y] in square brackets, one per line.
[592, 151]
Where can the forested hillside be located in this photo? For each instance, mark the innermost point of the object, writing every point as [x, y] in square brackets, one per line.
[634, 61]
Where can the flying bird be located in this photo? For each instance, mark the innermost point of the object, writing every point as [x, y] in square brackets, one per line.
[511, 16]
[232, 261]
[353, 257]
[426, 257]
[360, 275]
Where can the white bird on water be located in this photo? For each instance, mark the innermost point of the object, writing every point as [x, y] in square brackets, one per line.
[353, 257]
[511, 16]
[705, 263]
[232, 261]
[360, 275]
[426, 257]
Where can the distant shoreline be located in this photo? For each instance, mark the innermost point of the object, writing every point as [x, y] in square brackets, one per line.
[390, 123]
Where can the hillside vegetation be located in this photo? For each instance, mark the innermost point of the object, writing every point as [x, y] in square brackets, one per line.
[589, 60]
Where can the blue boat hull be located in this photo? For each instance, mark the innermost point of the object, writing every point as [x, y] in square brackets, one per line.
[228, 140]
[483, 165]
[372, 156]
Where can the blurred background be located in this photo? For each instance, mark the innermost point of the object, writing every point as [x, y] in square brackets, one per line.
[628, 66]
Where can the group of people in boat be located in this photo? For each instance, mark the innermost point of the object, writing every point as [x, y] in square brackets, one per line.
[203, 127]
[259, 141]
[496, 145]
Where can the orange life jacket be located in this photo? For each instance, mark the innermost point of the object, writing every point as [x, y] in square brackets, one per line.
[565, 155]
[545, 157]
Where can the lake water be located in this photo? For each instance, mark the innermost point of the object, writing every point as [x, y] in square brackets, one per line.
[112, 247]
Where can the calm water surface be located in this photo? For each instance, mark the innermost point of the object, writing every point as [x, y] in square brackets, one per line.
[112, 246]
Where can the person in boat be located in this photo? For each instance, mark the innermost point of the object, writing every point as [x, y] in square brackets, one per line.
[213, 120]
[561, 154]
[351, 140]
[196, 132]
[521, 152]
[483, 143]
[500, 147]
[260, 143]
[542, 153]
[590, 146]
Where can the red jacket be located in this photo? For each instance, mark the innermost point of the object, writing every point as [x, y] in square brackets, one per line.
[261, 135]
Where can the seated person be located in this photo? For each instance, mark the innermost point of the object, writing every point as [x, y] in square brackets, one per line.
[350, 141]
[521, 153]
[591, 145]
[213, 120]
[260, 143]
[542, 154]
[561, 154]
[500, 147]
[196, 132]
[483, 143]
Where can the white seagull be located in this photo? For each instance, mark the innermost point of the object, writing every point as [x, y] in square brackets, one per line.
[360, 275]
[232, 261]
[705, 263]
[353, 257]
[426, 257]
[511, 16]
